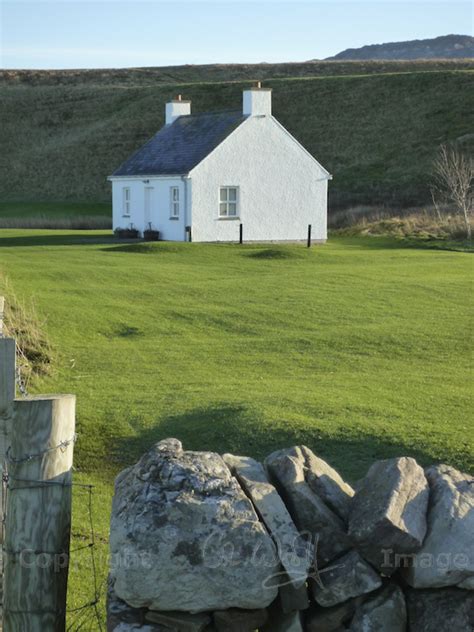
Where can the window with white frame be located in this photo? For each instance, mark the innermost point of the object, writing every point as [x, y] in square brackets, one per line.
[174, 202]
[126, 201]
[228, 202]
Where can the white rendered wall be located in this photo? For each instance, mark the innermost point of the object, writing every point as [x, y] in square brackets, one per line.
[282, 188]
[176, 108]
[257, 101]
[160, 209]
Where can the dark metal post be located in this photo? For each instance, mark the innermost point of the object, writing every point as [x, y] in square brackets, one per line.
[241, 233]
[309, 236]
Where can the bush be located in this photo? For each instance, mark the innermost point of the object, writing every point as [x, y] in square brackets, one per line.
[127, 233]
[151, 235]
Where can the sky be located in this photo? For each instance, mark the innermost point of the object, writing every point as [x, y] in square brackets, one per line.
[111, 33]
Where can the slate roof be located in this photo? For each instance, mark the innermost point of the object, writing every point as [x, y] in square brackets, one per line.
[179, 147]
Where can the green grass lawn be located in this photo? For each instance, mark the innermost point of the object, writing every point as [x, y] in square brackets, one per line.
[359, 349]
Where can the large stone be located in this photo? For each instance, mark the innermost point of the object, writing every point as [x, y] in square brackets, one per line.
[447, 555]
[296, 554]
[311, 515]
[331, 619]
[386, 611]
[347, 577]
[119, 612]
[235, 620]
[185, 537]
[180, 621]
[327, 484]
[282, 622]
[388, 515]
[292, 599]
[440, 610]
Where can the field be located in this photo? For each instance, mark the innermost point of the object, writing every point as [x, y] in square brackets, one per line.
[375, 125]
[359, 349]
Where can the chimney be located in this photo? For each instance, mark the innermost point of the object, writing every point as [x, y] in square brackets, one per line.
[257, 101]
[176, 107]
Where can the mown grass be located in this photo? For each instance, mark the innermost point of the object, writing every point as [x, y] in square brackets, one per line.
[376, 128]
[359, 349]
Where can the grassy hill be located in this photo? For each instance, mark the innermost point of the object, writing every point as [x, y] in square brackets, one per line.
[358, 349]
[374, 125]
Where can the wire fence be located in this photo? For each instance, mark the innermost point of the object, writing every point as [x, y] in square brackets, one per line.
[87, 616]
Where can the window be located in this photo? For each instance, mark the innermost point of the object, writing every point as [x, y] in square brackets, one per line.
[126, 202]
[174, 202]
[228, 199]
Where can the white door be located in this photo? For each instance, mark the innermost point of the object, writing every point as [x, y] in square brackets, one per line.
[148, 206]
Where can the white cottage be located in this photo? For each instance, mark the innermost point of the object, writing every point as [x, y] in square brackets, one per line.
[216, 175]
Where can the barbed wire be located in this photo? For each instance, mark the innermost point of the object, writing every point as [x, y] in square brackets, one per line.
[62, 445]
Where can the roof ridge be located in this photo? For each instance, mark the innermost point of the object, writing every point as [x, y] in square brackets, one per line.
[212, 112]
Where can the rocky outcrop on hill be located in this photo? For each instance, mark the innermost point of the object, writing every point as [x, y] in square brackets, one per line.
[205, 543]
[443, 47]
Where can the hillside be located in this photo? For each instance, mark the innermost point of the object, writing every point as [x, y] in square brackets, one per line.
[375, 126]
[444, 47]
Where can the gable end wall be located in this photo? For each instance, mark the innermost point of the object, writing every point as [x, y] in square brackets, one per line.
[282, 188]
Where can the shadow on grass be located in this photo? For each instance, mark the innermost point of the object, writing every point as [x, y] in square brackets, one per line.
[237, 429]
[137, 246]
[274, 254]
[52, 239]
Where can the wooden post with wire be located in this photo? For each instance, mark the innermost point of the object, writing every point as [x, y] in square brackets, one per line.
[37, 450]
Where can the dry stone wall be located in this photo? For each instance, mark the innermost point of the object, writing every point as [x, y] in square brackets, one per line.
[204, 542]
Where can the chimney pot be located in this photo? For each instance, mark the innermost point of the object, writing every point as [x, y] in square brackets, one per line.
[258, 84]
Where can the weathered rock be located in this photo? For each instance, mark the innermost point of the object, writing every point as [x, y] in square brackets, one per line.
[331, 619]
[327, 484]
[280, 622]
[309, 512]
[235, 620]
[440, 610]
[468, 584]
[386, 611]
[292, 599]
[185, 537]
[295, 554]
[180, 621]
[119, 612]
[346, 577]
[388, 514]
[447, 555]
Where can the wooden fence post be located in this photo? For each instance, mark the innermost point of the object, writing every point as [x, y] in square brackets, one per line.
[37, 444]
[7, 395]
